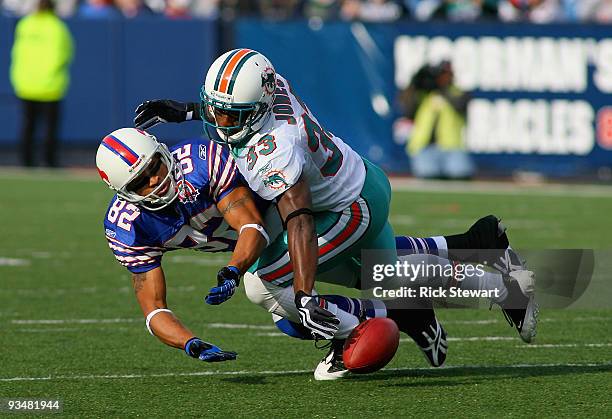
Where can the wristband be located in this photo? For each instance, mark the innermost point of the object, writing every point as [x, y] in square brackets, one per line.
[187, 349]
[234, 269]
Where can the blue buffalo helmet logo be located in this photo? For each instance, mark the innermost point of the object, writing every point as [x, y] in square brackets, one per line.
[268, 80]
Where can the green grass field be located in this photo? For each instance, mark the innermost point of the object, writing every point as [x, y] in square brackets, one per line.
[70, 327]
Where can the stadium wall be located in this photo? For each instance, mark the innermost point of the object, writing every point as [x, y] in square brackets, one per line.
[118, 64]
[542, 92]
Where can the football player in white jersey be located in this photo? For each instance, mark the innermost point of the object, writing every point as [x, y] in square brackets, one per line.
[333, 203]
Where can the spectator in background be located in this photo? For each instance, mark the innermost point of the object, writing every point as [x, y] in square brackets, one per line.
[63, 8]
[177, 9]
[536, 11]
[462, 10]
[371, 10]
[453, 10]
[438, 110]
[225, 9]
[41, 55]
[597, 11]
[422, 9]
[278, 9]
[320, 10]
[98, 9]
[132, 8]
[469, 10]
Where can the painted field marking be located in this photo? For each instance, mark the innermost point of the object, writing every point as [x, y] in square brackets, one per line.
[14, 262]
[501, 188]
[272, 327]
[564, 345]
[76, 321]
[291, 372]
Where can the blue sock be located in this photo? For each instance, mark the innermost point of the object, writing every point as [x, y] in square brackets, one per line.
[358, 306]
[428, 245]
[295, 330]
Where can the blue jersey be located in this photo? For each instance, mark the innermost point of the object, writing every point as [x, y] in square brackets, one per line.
[139, 237]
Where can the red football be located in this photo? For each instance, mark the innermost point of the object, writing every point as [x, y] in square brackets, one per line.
[371, 345]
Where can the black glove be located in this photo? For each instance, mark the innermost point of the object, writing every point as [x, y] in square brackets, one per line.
[323, 324]
[153, 112]
[204, 351]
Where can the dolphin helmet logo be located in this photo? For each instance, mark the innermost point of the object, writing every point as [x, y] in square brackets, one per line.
[268, 80]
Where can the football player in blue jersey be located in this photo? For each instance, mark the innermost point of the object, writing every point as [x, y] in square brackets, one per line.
[189, 196]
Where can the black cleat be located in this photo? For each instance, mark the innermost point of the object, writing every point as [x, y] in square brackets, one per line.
[433, 343]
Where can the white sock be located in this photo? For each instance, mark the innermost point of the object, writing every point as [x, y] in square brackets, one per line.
[488, 281]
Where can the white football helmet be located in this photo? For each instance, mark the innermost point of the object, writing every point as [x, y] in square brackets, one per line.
[241, 82]
[125, 154]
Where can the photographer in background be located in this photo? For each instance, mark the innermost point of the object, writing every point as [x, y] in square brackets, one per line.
[437, 109]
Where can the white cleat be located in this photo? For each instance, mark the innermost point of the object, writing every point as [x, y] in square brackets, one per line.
[332, 367]
[520, 307]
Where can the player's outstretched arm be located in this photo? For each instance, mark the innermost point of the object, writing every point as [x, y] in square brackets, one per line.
[153, 112]
[295, 208]
[150, 290]
[240, 212]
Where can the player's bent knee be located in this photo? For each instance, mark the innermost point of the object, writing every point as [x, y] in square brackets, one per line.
[255, 289]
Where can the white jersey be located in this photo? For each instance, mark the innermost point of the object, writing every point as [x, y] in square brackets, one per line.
[293, 143]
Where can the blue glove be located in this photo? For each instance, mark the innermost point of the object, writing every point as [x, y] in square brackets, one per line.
[204, 351]
[228, 279]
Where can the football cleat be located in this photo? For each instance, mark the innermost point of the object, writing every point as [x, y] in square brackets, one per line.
[332, 367]
[520, 307]
[509, 261]
[433, 344]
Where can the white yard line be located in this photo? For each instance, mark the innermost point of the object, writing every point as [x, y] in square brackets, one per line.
[481, 187]
[471, 339]
[272, 327]
[75, 329]
[76, 321]
[200, 260]
[290, 372]
[451, 339]
[84, 290]
[14, 262]
[501, 188]
[240, 326]
[564, 345]
[282, 335]
[49, 175]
